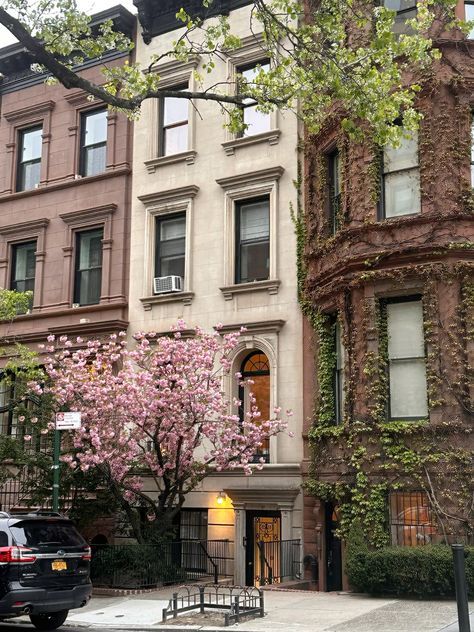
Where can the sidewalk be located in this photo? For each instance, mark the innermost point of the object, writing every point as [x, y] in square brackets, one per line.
[290, 611]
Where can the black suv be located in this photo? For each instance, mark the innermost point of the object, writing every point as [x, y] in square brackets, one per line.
[44, 568]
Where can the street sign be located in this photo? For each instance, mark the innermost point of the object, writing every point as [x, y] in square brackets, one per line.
[68, 421]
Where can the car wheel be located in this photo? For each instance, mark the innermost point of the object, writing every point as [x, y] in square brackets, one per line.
[49, 621]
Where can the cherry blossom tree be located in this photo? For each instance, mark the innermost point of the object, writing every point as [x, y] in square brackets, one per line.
[153, 409]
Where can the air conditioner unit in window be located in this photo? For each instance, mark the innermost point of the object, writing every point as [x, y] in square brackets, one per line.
[162, 285]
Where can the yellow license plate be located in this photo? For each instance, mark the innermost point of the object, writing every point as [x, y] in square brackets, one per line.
[59, 565]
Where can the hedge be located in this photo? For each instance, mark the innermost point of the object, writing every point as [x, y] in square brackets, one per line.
[423, 571]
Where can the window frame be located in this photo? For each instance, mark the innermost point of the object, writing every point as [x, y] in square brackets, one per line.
[239, 70]
[20, 174]
[384, 302]
[158, 220]
[162, 128]
[338, 373]
[382, 205]
[334, 199]
[238, 204]
[264, 451]
[14, 254]
[78, 271]
[398, 527]
[470, 35]
[82, 137]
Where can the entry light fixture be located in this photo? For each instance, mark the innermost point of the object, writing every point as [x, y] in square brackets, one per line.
[221, 496]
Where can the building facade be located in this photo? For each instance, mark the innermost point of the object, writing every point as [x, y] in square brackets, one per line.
[212, 241]
[65, 165]
[388, 255]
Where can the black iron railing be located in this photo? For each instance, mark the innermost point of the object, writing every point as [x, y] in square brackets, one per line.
[279, 561]
[149, 565]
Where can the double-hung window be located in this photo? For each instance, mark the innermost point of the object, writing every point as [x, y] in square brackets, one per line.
[405, 10]
[252, 240]
[256, 122]
[469, 16]
[93, 142]
[88, 277]
[174, 124]
[334, 165]
[23, 267]
[170, 245]
[406, 359]
[401, 179]
[29, 158]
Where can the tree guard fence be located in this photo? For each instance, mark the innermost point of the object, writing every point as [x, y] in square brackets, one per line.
[235, 602]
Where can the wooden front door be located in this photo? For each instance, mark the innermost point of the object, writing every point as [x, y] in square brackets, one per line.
[333, 550]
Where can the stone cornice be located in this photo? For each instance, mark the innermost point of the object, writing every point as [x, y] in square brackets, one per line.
[29, 112]
[173, 297]
[271, 285]
[181, 193]
[261, 326]
[263, 495]
[25, 227]
[254, 177]
[94, 213]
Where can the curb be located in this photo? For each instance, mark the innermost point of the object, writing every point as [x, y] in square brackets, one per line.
[147, 628]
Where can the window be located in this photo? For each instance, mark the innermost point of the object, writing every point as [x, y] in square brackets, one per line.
[405, 10]
[174, 115]
[256, 367]
[253, 240]
[401, 179]
[29, 158]
[334, 164]
[338, 374]
[23, 268]
[93, 142]
[88, 278]
[170, 245]
[412, 521]
[193, 524]
[469, 15]
[256, 122]
[406, 359]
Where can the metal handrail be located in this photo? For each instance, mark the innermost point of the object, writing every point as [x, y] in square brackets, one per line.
[264, 561]
[216, 574]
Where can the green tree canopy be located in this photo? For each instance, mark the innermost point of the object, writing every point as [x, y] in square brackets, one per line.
[330, 55]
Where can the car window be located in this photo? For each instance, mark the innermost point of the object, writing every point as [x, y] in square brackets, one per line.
[36, 533]
[3, 538]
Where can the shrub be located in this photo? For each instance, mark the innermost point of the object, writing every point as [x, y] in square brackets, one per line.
[424, 571]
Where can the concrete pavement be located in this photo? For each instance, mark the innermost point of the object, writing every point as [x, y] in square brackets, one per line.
[287, 611]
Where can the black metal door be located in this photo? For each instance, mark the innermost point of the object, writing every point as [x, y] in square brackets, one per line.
[333, 550]
[262, 526]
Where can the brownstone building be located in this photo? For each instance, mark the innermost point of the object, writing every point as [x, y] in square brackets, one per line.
[65, 165]
[389, 295]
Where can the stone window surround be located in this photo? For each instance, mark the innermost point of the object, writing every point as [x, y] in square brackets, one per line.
[171, 74]
[169, 202]
[250, 51]
[77, 221]
[22, 119]
[81, 103]
[17, 234]
[259, 336]
[244, 187]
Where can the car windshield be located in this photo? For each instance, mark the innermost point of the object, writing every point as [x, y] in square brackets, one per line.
[35, 533]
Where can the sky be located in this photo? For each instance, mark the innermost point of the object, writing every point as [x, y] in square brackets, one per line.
[91, 6]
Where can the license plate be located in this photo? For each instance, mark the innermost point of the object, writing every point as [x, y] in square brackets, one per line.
[59, 565]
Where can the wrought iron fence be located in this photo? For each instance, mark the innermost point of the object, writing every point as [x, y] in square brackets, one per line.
[149, 565]
[279, 561]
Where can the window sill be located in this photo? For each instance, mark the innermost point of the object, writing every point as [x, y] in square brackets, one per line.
[272, 137]
[271, 286]
[188, 157]
[172, 297]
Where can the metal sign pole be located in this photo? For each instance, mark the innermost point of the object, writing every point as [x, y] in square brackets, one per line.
[461, 587]
[57, 453]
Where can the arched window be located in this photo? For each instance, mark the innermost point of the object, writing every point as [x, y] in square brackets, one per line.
[255, 366]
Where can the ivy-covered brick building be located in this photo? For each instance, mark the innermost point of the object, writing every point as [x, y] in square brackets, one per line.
[386, 249]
